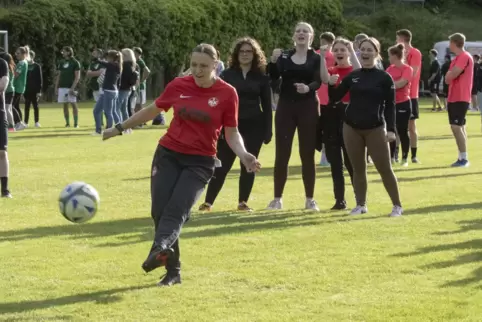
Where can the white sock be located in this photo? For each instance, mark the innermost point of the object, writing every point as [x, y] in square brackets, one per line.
[463, 155]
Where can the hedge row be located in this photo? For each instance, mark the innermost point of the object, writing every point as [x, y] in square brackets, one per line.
[166, 30]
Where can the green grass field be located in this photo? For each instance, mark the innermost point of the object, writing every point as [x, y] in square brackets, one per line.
[265, 266]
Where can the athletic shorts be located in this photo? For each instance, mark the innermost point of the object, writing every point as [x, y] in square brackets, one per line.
[141, 97]
[434, 87]
[404, 112]
[3, 128]
[414, 115]
[457, 112]
[65, 97]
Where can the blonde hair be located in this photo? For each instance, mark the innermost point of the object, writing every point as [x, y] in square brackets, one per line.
[310, 28]
[128, 55]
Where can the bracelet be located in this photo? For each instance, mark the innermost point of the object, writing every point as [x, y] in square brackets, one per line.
[119, 128]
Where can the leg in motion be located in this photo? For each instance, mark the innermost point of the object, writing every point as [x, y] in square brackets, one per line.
[4, 165]
[36, 112]
[28, 102]
[403, 119]
[412, 128]
[66, 115]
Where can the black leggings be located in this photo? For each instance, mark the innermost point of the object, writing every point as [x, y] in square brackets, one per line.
[177, 182]
[291, 115]
[31, 99]
[17, 112]
[253, 133]
[332, 127]
[404, 110]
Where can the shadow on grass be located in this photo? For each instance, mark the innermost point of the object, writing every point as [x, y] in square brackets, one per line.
[47, 136]
[101, 297]
[137, 230]
[472, 248]
[321, 172]
[442, 176]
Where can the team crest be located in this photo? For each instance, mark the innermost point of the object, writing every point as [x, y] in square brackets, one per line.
[213, 101]
[66, 65]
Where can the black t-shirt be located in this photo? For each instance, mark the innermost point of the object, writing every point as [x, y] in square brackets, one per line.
[478, 77]
[112, 75]
[435, 69]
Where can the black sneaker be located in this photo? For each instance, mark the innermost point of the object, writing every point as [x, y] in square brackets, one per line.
[339, 205]
[170, 279]
[157, 258]
[6, 194]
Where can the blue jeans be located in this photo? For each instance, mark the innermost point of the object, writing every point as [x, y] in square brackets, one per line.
[123, 104]
[106, 103]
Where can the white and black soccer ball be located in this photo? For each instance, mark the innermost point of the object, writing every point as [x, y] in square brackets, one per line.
[78, 202]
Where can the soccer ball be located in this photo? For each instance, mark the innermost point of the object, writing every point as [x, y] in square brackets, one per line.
[78, 202]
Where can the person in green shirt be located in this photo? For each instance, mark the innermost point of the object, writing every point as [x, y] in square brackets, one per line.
[95, 69]
[68, 76]
[10, 90]
[19, 82]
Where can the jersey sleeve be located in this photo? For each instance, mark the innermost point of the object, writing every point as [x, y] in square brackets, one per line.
[77, 65]
[462, 62]
[407, 73]
[416, 60]
[389, 100]
[230, 113]
[167, 98]
[336, 93]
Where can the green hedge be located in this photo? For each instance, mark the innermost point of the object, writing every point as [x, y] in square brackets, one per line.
[165, 29]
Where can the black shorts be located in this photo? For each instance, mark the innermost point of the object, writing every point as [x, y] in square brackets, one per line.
[414, 102]
[3, 128]
[434, 85]
[404, 112]
[457, 112]
[8, 98]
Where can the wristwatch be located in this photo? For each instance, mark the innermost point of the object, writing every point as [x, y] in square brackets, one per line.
[119, 128]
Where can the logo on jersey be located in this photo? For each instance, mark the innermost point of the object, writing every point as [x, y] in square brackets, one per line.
[355, 80]
[213, 101]
[66, 65]
[154, 171]
[184, 96]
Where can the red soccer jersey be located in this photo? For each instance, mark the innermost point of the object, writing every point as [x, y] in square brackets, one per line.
[403, 72]
[322, 92]
[342, 72]
[460, 89]
[414, 60]
[199, 115]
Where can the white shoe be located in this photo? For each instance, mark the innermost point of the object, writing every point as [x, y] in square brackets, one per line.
[96, 134]
[310, 204]
[397, 211]
[359, 210]
[404, 163]
[37, 124]
[20, 126]
[276, 204]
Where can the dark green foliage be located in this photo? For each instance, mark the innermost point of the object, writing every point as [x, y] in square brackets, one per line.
[166, 30]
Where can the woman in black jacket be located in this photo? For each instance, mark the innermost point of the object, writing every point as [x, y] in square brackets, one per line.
[33, 89]
[246, 72]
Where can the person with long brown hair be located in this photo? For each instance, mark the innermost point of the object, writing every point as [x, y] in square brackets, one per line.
[246, 72]
[108, 99]
[298, 109]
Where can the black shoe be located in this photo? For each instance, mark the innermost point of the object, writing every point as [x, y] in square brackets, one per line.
[6, 194]
[170, 279]
[157, 258]
[339, 205]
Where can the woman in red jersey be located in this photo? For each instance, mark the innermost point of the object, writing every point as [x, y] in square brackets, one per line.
[332, 117]
[185, 159]
[402, 76]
